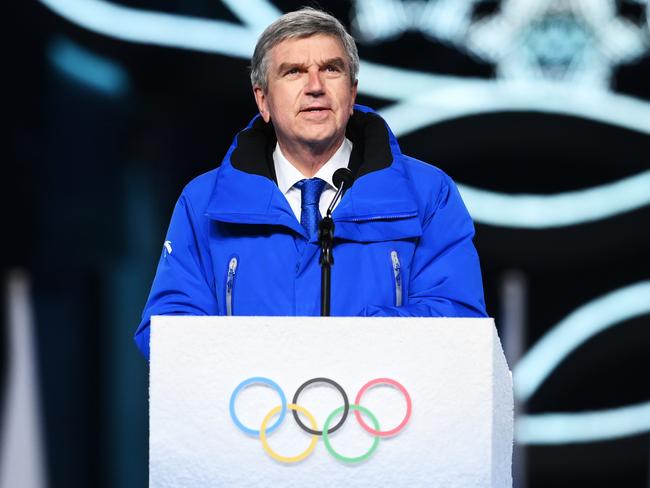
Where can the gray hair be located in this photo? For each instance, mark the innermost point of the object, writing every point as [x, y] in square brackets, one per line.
[302, 23]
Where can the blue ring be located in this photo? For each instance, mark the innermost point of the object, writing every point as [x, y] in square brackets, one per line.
[263, 381]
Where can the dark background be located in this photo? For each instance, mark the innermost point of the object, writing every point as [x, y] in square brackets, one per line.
[92, 177]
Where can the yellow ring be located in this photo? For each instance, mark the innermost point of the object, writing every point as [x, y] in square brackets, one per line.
[275, 455]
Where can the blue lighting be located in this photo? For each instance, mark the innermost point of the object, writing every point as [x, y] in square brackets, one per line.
[569, 428]
[256, 14]
[539, 362]
[575, 329]
[87, 68]
[427, 99]
[148, 27]
[568, 208]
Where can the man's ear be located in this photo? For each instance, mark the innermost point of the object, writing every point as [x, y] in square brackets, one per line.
[354, 95]
[261, 101]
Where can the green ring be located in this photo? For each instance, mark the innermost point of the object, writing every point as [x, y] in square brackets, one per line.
[326, 437]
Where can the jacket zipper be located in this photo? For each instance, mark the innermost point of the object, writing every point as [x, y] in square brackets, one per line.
[379, 217]
[397, 274]
[230, 284]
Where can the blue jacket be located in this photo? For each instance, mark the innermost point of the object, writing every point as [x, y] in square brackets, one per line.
[403, 239]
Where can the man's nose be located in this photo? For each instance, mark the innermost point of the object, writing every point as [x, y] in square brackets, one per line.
[314, 85]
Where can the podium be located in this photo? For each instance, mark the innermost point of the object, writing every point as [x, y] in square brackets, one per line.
[328, 402]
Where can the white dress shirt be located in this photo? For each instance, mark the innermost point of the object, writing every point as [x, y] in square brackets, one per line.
[288, 175]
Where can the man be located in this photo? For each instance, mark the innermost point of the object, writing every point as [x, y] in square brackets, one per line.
[243, 239]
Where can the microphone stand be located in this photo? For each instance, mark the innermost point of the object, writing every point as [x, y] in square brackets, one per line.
[326, 240]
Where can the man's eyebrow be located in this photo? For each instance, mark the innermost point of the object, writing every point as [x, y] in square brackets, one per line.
[337, 62]
[287, 66]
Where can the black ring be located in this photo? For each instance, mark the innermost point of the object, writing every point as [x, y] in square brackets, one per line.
[346, 405]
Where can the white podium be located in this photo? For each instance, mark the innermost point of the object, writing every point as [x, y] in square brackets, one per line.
[429, 402]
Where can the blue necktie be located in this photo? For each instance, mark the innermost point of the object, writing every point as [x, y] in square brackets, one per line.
[310, 191]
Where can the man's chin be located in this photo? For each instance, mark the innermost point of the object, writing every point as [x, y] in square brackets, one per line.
[322, 143]
[318, 138]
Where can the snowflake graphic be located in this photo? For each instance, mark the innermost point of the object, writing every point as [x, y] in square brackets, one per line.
[573, 41]
[576, 41]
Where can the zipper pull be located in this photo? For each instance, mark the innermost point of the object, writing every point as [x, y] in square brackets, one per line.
[397, 274]
[230, 282]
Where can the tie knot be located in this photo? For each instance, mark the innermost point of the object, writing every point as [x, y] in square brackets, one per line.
[310, 191]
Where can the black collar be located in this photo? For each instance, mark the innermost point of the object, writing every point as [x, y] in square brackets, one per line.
[367, 131]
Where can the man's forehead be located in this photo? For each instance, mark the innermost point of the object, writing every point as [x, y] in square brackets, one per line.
[319, 47]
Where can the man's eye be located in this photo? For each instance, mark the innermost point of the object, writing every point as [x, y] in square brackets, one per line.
[332, 68]
[292, 71]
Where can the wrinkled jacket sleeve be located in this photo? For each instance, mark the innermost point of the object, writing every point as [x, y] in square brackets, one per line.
[445, 279]
[184, 281]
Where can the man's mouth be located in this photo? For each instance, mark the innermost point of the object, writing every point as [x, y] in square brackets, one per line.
[314, 109]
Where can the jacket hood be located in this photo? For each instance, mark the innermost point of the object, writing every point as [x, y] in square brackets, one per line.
[246, 181]
[252, 150]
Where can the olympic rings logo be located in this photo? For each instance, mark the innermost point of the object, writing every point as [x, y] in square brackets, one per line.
[327, 430]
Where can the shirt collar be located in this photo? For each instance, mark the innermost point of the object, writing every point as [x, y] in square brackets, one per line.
[288, 175]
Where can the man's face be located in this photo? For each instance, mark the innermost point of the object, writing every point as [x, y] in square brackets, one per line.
[309, 95]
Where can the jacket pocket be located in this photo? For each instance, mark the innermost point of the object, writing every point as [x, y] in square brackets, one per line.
[397, 277]
[230, 284]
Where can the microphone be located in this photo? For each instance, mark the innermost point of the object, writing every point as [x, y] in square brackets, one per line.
[342, 180]
[342, 175]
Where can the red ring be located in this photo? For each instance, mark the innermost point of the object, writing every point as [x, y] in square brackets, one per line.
[383, 381]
